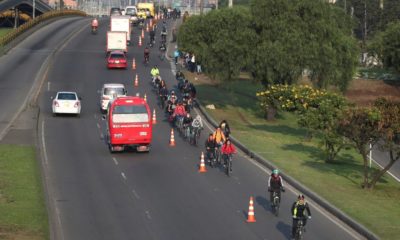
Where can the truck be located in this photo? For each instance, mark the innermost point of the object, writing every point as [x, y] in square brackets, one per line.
[129, 124]
[146, 6]
[121, 24]
[116, 41]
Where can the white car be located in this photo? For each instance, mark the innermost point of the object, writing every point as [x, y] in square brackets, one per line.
[66, 103]
[110, 91]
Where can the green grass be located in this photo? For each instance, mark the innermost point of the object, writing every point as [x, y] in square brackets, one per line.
[22, 207]
[4, 31]
[282, 142]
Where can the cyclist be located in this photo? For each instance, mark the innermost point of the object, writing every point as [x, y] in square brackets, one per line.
[211, 145]
[225, 128]
[197, 126]
[179, 113]
[163, 93]
[163, 47]
[275, 184]
[187, 124]
[172, 97]
[152, 35]
[146, 54]
[154, 73]
[298, 211]
[219, 136]
[164, 34]
[227, 150]
[180, 77]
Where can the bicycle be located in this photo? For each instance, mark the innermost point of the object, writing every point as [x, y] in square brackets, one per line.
[218, 154]
[162, 100]
[211, 156]
[194, 137]
[275, 202]
[228, 164]
[299, 229]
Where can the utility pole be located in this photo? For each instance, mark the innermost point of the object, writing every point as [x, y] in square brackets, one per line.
[33, 9]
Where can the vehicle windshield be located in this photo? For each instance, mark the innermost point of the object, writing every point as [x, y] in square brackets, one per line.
[66, 96]
[130, 11]
[117, 56]
[130, 114]
[112, 91]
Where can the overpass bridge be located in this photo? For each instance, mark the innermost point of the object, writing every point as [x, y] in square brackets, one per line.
[12, 10]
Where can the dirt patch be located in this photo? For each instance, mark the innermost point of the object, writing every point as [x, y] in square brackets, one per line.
[364, 92]
[13, 233]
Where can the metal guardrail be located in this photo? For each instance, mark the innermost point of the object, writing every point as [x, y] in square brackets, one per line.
[15, 33]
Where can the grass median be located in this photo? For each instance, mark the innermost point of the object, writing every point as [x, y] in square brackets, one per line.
[282, 142]
[4, 31]
[22, 207]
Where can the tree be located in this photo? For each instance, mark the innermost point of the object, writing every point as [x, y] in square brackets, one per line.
[390, 129]
[294, 36]
[361, 126]
[386, 45]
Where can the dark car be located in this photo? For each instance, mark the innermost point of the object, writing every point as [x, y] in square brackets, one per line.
[115, 11]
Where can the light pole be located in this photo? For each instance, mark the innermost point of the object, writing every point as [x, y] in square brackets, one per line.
[33, 9]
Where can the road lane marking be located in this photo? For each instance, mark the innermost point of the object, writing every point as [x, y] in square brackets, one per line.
[48, 86]
[123, 175]
[98, 125]
[135, 194]
[46, 161]
[115, 160]
[396, 178]
[148, 214]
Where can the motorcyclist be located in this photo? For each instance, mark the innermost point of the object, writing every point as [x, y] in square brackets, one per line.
[275, 184]
[227, 150]
[298, 212]
[95, 25]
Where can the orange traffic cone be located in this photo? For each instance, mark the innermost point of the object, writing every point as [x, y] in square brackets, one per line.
[142, 33]
[172, 140]
[133, 64]
[147, 27]
[140, 41]
[250, 216]
[145, 97]
[154, 117]
[202, 164]
[136, 81]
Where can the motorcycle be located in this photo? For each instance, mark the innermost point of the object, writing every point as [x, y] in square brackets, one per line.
[94, 30]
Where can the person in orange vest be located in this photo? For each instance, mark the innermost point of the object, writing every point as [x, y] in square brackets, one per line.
[219, 136]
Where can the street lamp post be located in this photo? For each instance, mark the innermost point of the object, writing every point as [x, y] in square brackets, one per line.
[33, 9]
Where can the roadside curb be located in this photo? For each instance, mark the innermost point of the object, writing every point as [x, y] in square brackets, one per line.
[293, 182]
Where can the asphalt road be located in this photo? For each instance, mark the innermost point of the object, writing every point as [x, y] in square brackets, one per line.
[156, 195]
[382, 159]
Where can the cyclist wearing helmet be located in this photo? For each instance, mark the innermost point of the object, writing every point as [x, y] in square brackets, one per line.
[275, 184]
[298, 211]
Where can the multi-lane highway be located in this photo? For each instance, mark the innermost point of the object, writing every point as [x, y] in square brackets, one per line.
[94, 194]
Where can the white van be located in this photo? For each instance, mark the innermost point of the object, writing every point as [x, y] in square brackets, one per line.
[132, 12]
[108, 92]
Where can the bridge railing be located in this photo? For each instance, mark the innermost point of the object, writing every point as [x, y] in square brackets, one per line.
[52, 14]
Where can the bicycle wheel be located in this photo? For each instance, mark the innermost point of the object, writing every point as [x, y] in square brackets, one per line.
[228, 167]
[276, 205]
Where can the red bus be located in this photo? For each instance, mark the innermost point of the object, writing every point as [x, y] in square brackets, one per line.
[129, 124]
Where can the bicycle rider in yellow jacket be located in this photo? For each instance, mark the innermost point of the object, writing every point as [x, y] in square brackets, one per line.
[219, 136]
